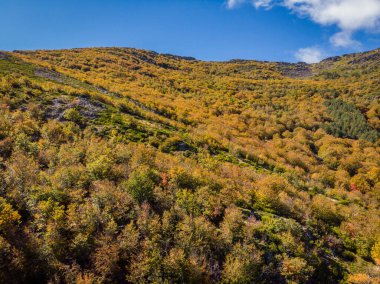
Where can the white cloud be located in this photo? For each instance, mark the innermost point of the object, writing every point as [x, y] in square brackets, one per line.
[234, 3]
[343, 39]
[309, 55]
[257, 3]
[349, 15]
[262, 3]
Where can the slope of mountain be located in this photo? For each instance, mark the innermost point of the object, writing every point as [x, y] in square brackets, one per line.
[128, 166]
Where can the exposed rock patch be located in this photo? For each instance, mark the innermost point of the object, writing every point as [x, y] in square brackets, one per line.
[297, 70]
[49, 74]
[86, 107]
[372, 57]
[4, 55]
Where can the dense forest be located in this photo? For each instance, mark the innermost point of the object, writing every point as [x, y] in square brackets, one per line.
[120, 165]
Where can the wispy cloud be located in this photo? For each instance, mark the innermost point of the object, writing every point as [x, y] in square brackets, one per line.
[349, 16]
[309, 55]
[344, 39]
[234, 3]
[263, 3]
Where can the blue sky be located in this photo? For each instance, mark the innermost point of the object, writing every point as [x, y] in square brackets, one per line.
[274, 30]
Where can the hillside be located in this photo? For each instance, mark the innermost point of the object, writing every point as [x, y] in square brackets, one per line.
[121, 165]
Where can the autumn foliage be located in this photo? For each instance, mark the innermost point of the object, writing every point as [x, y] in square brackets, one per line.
[126, 166]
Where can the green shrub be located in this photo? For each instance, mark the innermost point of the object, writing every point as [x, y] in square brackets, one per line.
[140, 185]
[349, 122]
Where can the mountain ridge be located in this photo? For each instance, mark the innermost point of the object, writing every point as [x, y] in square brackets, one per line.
[329, 58]
[293, 70]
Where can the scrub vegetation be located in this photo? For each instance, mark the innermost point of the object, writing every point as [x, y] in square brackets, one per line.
[120, 165]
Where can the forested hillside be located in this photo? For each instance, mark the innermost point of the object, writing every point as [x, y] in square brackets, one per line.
[120, 165]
